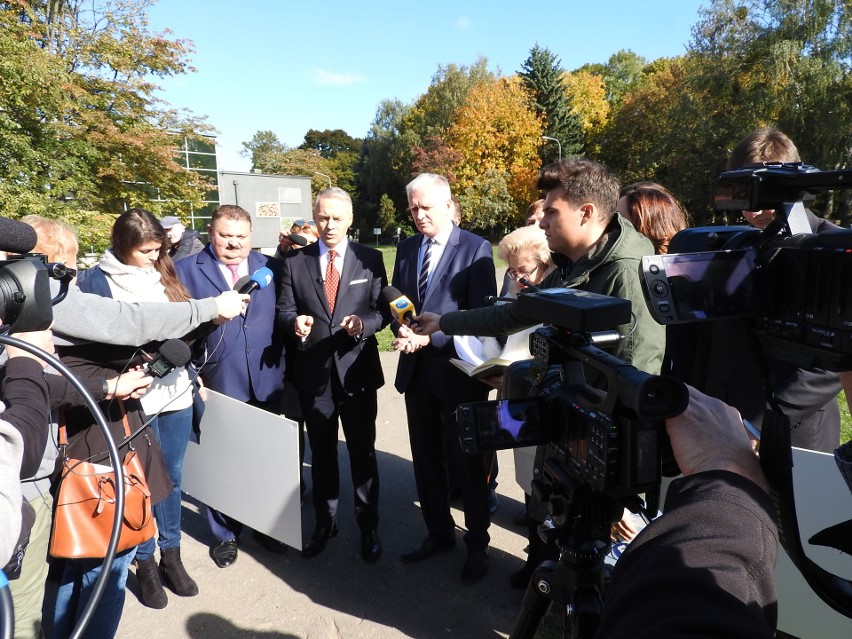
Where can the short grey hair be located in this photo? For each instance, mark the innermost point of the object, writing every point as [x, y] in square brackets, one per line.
[333, 193]
[429, 179]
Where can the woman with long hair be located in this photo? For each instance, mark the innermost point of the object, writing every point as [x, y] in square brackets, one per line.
[654, 211]
[138, 268]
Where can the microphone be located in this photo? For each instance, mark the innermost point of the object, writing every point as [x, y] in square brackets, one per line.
[295, 238]
[16, 237]
[172, 354]
[259, 279]
[400, 306]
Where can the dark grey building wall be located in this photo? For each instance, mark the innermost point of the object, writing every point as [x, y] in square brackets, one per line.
[269, 199]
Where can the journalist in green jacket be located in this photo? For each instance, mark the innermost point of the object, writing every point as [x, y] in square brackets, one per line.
[595, 249]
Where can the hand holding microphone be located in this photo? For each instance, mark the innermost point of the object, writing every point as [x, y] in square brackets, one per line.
[426, 323]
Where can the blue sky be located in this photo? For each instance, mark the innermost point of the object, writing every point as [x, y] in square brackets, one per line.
[292, 66]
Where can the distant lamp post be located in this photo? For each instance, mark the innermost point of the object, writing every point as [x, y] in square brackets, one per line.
[327, 177]
[558, 143]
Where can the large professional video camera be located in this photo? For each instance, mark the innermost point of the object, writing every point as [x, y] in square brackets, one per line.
[793, 289]
[598, 422]
[794, 285]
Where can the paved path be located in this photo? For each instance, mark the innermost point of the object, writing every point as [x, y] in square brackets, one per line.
[336, 594]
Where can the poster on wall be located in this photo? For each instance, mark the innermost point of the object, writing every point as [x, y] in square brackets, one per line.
[267, 209]
[289, 195]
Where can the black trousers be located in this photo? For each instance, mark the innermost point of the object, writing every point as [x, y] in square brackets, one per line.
[357, 415]
[434, 437]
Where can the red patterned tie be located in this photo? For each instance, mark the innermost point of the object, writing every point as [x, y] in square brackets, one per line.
[332, 280]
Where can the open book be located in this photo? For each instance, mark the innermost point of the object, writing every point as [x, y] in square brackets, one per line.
[489, 368]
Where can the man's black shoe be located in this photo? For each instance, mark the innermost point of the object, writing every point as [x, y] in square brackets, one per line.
[318, 540]
[270, 544]
[475, 567]
[428, 548]
[224, 553]
[371, 547]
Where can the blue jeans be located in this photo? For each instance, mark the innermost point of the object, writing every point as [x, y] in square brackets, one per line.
[75, 590]
[172, 431]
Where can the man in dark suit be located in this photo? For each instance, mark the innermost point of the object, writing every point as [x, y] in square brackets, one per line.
[328, 302]
[443, 268]
[243, 358]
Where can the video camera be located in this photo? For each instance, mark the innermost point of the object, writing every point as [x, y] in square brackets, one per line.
[600, 418]
[25, 299]
[793, 285]
[793, 288]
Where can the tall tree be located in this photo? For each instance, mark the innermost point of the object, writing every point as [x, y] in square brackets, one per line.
[542, 76]
[496, 134]
[380, 164]
[342, 152]
[263, 149]
[329, 142]
[100, 139]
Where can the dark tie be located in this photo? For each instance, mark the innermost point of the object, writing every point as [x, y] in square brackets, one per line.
[424, 272]
[332, 280]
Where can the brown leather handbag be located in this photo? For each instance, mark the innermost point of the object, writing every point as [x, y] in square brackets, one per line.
[84, 508]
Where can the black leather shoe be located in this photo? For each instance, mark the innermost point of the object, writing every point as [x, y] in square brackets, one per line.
[318, 540]
[270, 544]
[224, 553]
[428, 548]
[371, 547]
[475, 567]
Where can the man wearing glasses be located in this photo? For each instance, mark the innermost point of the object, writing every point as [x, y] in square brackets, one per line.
[442, 268]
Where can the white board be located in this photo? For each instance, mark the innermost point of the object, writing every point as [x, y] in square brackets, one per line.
[247, 466]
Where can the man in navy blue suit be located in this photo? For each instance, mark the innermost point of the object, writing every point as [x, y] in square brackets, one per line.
[329, 302]
[441, 269]
[243, 358]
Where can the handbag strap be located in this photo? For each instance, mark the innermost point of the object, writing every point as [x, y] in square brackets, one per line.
[63, 433]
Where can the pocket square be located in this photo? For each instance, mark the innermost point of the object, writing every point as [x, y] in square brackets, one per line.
[357, 281]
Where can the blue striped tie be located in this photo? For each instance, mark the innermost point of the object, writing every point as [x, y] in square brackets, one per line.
[424, 272]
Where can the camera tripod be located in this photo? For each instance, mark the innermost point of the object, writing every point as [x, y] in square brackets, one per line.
[582, 520]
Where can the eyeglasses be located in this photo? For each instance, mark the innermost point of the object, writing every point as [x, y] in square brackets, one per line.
[517, 275]
[303, 222]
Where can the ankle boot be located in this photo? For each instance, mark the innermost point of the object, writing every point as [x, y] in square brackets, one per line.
[151, 591]
[175, 575]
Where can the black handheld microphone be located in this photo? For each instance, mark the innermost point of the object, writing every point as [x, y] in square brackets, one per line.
[259, 279]
[401, 307]
[16, 237]
[296, 238]
[172, 354]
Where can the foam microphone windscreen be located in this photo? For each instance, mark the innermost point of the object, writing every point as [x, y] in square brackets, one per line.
[176, 352]
[295, 238]
[240, 283]
[388, 294]
[16, 237]
[259, 279]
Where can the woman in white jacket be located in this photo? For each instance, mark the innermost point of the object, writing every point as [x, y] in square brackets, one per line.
[138, 268]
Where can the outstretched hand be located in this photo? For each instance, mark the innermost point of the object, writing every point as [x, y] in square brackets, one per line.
[426, 323]
[709, 435]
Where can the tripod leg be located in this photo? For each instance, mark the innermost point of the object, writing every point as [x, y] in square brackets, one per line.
[535, 603]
